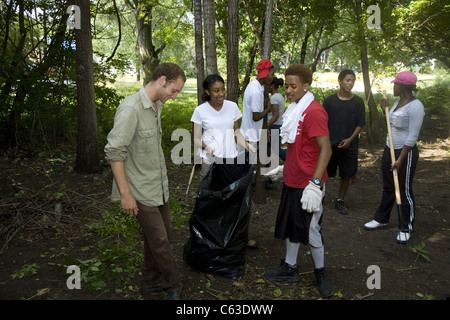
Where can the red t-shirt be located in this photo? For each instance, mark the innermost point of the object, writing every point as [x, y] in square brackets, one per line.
[302, 155]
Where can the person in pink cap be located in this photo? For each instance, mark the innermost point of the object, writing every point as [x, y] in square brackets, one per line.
[406, 117]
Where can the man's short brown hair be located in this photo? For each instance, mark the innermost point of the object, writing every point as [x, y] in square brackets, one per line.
[301, 71]
[170, 70]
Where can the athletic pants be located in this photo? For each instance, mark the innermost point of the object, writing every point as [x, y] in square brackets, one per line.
[159, 261]
[405, 179]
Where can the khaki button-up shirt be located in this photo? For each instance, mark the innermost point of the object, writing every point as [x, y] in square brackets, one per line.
[136, 139]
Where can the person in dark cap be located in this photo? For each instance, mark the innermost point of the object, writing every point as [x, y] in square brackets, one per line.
[406, 117]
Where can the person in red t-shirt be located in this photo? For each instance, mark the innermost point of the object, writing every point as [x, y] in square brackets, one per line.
[305, 129]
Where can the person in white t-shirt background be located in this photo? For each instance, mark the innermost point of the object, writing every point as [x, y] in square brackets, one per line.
[215, 125]
[253, 109]
[275, 116]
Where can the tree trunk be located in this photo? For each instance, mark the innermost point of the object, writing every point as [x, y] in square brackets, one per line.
[268, 30]
[260, 186]
[87, 159]
[199, 61]
[209, 16]
[304, 46]
[250, 63]
[373, 127]
[12, 125]
[233, 51]
[149, 54]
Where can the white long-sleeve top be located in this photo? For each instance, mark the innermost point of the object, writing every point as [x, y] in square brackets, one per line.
[406, 123]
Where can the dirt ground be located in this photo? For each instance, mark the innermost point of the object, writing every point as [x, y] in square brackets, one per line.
[26, 239]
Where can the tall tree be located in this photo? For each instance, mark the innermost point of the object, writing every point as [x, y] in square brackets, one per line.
[373, 128]
[143, 15]
[199, 61]
[423, 30]
[257, 26]
[88, 158]
[209, 17]
[233, 51]
[268, 30]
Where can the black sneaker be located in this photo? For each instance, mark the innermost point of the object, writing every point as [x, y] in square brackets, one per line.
[284, 272]
[325, 287]
[339, 204]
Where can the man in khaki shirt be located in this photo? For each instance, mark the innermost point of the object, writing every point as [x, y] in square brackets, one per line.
[140, 176]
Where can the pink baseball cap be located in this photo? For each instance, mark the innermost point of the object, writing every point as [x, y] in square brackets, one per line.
[263, 68]
[405, 77]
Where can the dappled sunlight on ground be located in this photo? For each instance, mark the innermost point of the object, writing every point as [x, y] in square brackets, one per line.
[435, 151]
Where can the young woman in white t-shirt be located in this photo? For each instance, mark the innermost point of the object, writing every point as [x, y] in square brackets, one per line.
[275, 116]
[215, 125]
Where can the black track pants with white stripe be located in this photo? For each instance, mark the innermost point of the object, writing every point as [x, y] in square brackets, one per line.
[405, 179]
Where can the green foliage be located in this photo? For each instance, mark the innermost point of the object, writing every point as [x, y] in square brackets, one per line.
[421, 252]
[436, 98]
[425, 296]
[119, 257]
[179, 213]
[26, 272]
[177, 115]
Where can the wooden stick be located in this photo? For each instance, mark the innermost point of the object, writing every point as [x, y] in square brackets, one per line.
[190, 179]
[391, 145]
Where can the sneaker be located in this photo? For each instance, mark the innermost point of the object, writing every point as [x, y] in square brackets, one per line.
[372, 225]
[403, 237]
[325, 287]
[284, 272]
[339, 204]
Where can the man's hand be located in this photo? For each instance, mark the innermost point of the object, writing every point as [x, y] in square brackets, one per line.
[311, 198]
[129, 205]
[345, 143]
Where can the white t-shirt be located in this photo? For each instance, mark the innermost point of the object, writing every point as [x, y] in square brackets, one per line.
[253, 101]
[218, 128]
[278, 99]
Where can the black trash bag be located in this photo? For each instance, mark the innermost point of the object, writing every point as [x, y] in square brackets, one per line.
[219, 223]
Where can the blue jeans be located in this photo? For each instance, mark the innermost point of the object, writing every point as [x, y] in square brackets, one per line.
[281, 152]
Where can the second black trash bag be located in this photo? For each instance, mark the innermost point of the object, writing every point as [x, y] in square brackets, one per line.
[219, 222]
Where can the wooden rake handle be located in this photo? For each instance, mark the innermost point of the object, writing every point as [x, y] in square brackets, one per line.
[391, 147]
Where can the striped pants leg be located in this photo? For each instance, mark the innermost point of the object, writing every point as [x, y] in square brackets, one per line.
[405, 178]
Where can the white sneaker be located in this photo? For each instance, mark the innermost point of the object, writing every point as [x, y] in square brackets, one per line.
[372, 225]
[403, 237]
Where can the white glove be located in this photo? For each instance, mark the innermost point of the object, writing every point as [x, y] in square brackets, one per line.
[311, 198]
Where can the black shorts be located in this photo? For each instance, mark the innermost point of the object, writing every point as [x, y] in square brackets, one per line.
[347, 162]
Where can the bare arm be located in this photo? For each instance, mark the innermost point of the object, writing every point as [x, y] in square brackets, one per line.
[197, 138]
[240, 138]
[259, 115]
[323, 142]
[275, 115]
[129, 205]
[346, 142]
